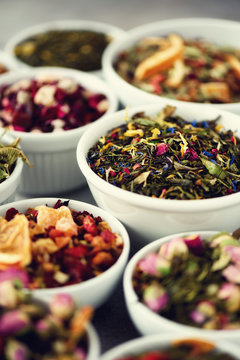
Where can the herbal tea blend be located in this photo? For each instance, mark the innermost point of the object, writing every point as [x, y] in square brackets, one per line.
[77, 49]
[8, 156]
[166, 157]
[183, 69]
[45, 104]
[187, 349]
[57, 246]
[193, 281]
[30, 330]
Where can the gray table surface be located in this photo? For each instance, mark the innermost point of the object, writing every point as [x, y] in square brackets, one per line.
[111, 320]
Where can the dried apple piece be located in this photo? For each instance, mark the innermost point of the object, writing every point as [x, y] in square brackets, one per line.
[177, 75]
[216, 90]
[235, 65]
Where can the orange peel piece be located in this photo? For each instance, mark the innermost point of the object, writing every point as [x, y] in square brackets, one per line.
[60, 218]
[216, 90]
[177, 75]
[235, 65]
[198, 346]
[160, 60]
[15, 243]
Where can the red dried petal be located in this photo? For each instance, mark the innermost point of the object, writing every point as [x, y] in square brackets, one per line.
[108, 236]
[90, 225]
[77, 252]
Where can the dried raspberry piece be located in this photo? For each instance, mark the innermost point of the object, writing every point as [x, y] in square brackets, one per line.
[90, 225]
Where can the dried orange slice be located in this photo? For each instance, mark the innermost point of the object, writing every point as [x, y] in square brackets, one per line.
[216, 90]
[235, 65]
[177, 75]
[15, 243]
[198, 346]
[160, 60]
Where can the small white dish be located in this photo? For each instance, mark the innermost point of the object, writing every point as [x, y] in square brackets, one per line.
[53, 155]
[161, 341]
[94, 291]
[148, 322]
[219, 31]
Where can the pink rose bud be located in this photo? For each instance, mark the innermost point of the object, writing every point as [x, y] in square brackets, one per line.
[155, 297]
[80, 354]
[230, 293]
[62, 306]
[9, 297]
[14, 350]
[232, 274]
[162, 149]
[155, 265]
[197, 317]
[234, 252]
[14, 274]
[194, 244]
[13, 322]
[175, 247]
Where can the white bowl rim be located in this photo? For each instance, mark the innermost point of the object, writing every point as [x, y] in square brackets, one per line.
[132, 299]
[143, 201]
[158, 340]
[104, 88]
[85, 285]
[94, 350]
[138, 32]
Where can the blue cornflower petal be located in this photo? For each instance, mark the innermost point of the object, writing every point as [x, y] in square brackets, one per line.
[213, 161]
[207, 153]
[194, 123]
[205, 124]
[232, 160]
[171, 130]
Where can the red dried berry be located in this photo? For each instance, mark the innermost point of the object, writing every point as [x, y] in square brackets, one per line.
[108, 236]
[155, 356]
[90, 225]
[10, 213]
[77, 252]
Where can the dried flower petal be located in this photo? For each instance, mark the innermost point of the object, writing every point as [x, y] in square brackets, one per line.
[155, 297]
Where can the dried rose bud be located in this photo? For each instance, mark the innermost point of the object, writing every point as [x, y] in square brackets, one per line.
[155, 264]
[230, 293]
[197, 317]
[234, 252]
[232, 274]
[13, 322]
[175, 247]
[15, 274]
[80, 354]
[15, 350]
[62, 306]
[194, 244]
[207, 308]
[9, 297]
[155, 297]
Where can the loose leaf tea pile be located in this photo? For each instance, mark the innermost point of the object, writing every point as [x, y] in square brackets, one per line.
[167, 157]
[8, 157]
[183, 69]
[193, 281]
[77, 49]
[187, 349]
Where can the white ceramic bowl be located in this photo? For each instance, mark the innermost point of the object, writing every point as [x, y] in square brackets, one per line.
[161, 341]
[93, 342]
[219, 31]
[8, 188]
[53, 155]
[94, 291]
[112, 30]
[148, 218]
[148, 322]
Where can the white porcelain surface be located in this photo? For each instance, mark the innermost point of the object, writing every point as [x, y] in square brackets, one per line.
[94, 348]
[148, 218]
[94, 291]
[219, 31]
[53, 155]
[148, 322]
[9, 187]
[160, 341]
[112, 30]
